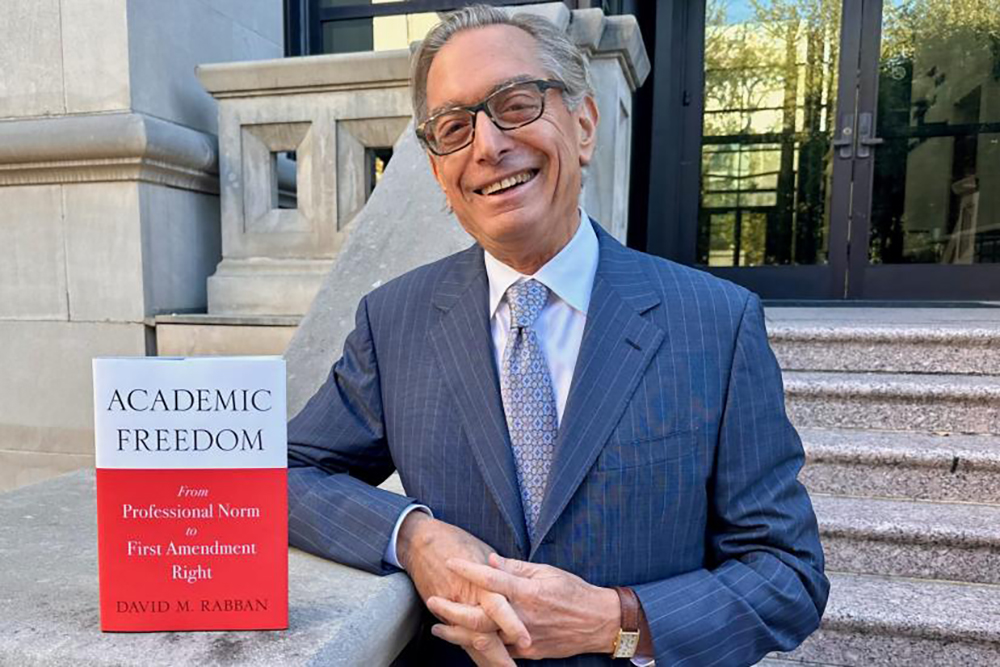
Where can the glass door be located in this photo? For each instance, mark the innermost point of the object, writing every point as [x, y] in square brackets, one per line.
[926, 220]
[769, 178]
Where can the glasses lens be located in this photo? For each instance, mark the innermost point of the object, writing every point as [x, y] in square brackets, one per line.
[516, 106]
[450, 131]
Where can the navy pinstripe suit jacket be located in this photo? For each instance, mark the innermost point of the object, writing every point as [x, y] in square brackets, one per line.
[675, 466]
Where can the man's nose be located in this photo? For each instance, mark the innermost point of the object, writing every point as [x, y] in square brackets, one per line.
[490, 142]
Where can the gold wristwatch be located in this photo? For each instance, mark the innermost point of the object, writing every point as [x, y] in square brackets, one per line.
[627, 641]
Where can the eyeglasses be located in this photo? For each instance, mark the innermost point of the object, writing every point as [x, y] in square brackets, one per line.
[513, 106]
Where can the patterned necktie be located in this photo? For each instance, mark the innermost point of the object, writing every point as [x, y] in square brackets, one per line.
[528, 400]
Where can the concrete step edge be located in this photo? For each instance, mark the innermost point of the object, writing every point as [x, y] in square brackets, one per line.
[900, 448]
[920, 387]
[772, 661]
[943, 610]
[902, 522]
[916, 467]
[972, 336]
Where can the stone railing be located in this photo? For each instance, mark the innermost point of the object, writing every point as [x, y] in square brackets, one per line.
[329, 111]
[337, 616]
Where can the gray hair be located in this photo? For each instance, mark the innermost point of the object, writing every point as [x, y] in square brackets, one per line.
[556, 53]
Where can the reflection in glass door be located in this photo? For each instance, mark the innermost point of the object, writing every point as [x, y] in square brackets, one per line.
[851, 148]
[935, 185]
[771, 87]
[769, 98]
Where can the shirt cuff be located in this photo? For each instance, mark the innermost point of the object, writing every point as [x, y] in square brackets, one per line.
[390, 551]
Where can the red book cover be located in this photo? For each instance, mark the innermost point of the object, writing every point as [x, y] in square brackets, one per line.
[192, 519]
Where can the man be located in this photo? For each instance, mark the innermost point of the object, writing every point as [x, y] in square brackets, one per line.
[567, 416]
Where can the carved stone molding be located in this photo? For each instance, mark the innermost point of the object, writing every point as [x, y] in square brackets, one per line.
[261, 211]
[354, 137]
[615, 37]
[311, 74]
[282, 229]
[262, 286]
[107, 147]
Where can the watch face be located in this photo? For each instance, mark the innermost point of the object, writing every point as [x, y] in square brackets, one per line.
[628, 642]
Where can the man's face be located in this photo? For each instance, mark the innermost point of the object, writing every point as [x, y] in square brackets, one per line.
[537, 216]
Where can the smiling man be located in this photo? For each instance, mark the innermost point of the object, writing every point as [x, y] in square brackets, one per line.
[593, 441]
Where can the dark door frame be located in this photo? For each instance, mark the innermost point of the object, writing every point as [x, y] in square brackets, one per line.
[845, 167]
[663, 210]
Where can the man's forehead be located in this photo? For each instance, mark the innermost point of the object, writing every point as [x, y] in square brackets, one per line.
[476, 62]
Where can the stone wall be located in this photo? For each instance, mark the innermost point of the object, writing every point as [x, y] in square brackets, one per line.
[109, 212]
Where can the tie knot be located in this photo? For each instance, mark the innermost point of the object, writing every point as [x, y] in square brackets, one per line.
[526, 300]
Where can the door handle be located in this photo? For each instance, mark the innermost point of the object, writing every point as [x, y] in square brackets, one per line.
[845, 144]
[865, 138]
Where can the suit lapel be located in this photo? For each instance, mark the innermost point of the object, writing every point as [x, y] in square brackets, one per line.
[618, 344]
[463, 342]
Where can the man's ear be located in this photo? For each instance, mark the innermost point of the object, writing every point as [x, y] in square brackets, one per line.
[587, 118]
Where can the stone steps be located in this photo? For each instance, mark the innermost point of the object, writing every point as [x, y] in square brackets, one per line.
[922, 348]
[957, 542]
[899, 413]
[894, 401]
[887, 464]
[872, 621]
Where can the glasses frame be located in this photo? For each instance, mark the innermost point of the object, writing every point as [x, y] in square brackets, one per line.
[543, 85]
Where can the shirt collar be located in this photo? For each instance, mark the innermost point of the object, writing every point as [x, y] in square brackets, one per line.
[569, 275]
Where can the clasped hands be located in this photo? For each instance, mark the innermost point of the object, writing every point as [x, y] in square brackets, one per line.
[497, 608]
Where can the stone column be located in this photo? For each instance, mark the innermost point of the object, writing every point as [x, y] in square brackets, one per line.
[108, 197]
[618, 66]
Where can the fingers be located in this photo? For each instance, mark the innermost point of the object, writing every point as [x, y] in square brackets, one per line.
[493, 613]
[486, 649]
[457, 613]
[518, 568]
[490, 578]
[498, 608]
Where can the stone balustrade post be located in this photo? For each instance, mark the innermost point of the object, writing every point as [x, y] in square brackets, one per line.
[330, 111]
[618, 66]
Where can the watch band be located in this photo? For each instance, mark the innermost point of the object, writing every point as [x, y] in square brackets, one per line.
[628, 636]
[630, 608]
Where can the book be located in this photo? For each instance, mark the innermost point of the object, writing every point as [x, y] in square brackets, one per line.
[192, 518]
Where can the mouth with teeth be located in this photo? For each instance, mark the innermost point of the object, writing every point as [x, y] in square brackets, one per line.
[509, 183]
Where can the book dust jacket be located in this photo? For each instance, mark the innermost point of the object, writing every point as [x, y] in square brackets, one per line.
[192, 516]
